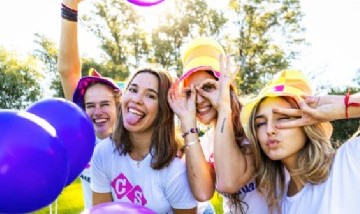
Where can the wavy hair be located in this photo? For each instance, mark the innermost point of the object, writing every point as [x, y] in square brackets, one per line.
[313, 162]
[163, 142]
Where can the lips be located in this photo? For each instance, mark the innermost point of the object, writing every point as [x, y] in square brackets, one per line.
[272, 143]
[100, 121]
[203, 110]
[134, 116]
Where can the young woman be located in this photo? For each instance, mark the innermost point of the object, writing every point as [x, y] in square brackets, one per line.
[222, 159]
[98, 96]
[294, 139]
[139, 164]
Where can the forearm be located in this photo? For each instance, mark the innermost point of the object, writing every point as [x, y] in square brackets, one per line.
[69, 65]
[200, 174]
[233, 170]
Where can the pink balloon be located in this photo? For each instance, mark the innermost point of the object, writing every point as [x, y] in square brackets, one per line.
[118, 207]
[145, 3]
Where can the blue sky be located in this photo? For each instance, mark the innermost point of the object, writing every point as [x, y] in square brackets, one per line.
[332, 32]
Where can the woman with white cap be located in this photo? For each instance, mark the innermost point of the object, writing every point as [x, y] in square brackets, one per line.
[221, 159]
[292, 135]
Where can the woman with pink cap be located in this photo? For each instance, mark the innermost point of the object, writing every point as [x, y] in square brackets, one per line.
[98, 96]
[221, 158]
[288, 129]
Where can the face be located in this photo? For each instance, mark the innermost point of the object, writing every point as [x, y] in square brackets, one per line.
[278, 144]
[205, 112]
[101, 108]
[140, 103]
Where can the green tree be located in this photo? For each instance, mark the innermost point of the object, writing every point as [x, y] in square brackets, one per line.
[184, 20]
[19, 81]
[115, 24]
[47, 53]
[267, 33]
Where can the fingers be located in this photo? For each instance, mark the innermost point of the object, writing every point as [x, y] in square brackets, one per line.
[292, 124]
[288, 111]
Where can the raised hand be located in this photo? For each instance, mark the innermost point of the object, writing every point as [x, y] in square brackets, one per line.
[218, 92]
[182, 101]
[314, 109]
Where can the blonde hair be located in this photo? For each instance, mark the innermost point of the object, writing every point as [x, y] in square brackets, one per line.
[313, 163]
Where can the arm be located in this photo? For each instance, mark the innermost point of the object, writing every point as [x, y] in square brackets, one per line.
[183, 211]
[99, 198]
[69, 66]
[233, 168]
[316, 109]
[200, 174]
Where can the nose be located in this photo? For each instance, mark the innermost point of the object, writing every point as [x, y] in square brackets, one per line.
[199, 98]
[136, 98]
[270, 129]
[97, 109]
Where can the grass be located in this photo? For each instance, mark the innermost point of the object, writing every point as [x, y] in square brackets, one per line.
[71, 201]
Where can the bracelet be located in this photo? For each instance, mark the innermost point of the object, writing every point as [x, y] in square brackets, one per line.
[347, 104]
[187, 145]
[68, 13]
[192, 130]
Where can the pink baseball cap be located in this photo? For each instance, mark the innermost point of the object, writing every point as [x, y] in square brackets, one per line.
[84, 82]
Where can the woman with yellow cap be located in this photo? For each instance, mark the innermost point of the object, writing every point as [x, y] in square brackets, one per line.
[292, 135]
[221, 158]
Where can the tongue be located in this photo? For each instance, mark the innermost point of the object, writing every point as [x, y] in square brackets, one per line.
[132, 119]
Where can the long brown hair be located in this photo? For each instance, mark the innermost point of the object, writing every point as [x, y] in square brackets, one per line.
[163, 143]
[313, 161]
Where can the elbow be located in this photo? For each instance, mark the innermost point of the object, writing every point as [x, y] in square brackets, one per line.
[231, 186]
[204, 196]
[227, 188]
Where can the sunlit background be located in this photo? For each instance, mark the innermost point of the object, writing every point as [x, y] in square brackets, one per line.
[332, 33]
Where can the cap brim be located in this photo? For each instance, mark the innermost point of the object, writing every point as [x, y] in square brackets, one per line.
[78, 97]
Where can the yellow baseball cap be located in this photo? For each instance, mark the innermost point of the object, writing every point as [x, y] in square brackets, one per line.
[285, 83]
[201, 53]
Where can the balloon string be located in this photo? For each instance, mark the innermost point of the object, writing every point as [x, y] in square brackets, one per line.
[56, 206]
[50, 209]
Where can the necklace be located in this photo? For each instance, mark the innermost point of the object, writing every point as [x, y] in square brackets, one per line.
[138, 162]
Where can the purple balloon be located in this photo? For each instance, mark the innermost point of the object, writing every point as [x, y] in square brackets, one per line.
[118, 207]
[145, 3]
[33, 162]
[73, 127]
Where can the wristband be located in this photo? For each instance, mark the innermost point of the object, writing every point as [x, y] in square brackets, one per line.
[187, 145]
[192, 130]
[347, 104]
[69, 14]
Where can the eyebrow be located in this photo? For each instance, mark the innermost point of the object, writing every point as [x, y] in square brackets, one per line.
[149, 89]
[258, 116]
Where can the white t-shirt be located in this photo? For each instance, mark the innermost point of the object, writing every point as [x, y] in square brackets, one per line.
[339, 193]
[128, 181]
[85, 182]
[256, 203]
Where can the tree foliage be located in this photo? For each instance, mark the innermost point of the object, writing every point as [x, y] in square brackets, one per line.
[259, 34]
[47, 53]
[266, 36]
[19, 81]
